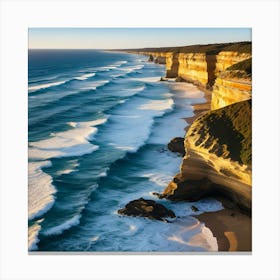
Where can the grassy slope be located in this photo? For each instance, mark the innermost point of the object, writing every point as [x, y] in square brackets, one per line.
[242, 47]
[245, 65]
[227, 132]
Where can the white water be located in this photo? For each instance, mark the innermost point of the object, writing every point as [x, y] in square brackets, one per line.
[40, 189]
[43, 86]
[85, 76]
[64, 226]
[72, 142]
[33, 232]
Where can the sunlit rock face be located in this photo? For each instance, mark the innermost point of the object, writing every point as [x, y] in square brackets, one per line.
[227, 59]
[233, 84]
[218, 143]
[218, 157]
[229, 89]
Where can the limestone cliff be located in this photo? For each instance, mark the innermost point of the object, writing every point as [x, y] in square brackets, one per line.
[218, 143]
[195, 67]
[218, 157]
[232, 85]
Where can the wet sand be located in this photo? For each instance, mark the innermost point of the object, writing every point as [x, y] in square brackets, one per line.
[232, 229]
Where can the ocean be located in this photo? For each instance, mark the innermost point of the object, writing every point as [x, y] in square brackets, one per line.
[98, 127]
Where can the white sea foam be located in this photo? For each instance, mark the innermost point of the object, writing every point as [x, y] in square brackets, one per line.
[94, 238]
[158, 105]
[191, 233]
[70, 166]
[85, 76]
[40, 189]
[204, 239]
[43, 86]
[208, 205]
[73, 142]
[185, 90]
[56, 230]
[119, 63]
[160, 179]
[33, 232]
[93, 85]
[131, 128]
[148, 79]
[132, 68]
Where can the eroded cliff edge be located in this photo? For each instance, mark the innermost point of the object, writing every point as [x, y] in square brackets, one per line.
[218, 143]
[218, 157]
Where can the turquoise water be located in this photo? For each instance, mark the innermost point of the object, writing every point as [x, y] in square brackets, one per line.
[99, 124]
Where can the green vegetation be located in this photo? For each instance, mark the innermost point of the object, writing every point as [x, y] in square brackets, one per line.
[245, 65]
[242, 47]
[227, 132]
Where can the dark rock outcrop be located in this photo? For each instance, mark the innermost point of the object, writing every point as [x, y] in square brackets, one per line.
[177, 145]
[194, 208]
[151, 58]
[146, 208]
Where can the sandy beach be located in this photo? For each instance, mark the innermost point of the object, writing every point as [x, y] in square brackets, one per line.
[232, 229]
[200, 108]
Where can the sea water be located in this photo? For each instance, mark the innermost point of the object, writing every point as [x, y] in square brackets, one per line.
[98, 126]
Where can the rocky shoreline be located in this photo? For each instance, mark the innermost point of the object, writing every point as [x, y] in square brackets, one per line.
[216, 150]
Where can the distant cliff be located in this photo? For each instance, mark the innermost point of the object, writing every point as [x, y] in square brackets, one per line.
[200, 64]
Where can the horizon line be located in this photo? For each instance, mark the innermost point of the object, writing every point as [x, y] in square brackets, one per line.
[181, 46]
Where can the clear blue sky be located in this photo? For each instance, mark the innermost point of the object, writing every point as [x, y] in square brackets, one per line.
[111, 38]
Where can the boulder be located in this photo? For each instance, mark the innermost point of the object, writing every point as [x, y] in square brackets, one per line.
[194, 208]
[177, 145]
[146, 208]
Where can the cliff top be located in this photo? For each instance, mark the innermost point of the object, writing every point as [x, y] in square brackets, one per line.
[242, 47]
[245, 65]
[229, 128]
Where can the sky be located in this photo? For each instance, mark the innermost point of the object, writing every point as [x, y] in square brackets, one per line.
[121, 38]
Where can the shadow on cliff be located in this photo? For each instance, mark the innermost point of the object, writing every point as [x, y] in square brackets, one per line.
[211, 60]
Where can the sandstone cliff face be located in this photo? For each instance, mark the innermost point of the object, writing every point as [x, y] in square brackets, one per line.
[229, 88]
[157, 57]
[226, 59]
[217, 144]
[218, 157]
[233, 85]
[199, 68]
[193, 67]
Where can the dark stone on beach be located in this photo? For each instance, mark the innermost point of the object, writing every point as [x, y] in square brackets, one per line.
[177, 145]
[163, 79]
[146, 208]
[194, 209]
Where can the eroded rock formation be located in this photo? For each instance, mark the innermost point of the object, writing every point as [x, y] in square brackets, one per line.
[218, 143]
[218, 157]
[146, 208]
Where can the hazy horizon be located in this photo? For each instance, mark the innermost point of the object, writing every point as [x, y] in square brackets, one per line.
[129, 38]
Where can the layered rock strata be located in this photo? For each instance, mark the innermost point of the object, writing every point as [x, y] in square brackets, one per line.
[218, 157]
[232, 85]
[218, 143]
[198, 68]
